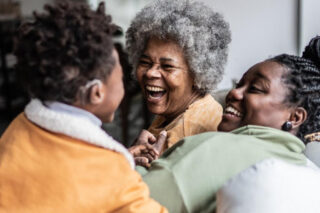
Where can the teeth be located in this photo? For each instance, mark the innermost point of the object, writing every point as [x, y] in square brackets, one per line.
[155, 89]
[232, 110]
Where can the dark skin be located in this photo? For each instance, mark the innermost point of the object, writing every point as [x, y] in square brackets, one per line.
[147, 148]
[260, 99]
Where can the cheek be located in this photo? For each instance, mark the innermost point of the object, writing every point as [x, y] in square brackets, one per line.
[266, 113]
[179, 82]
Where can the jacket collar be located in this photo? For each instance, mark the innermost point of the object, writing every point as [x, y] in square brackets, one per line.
[276, 136]
[73, 126]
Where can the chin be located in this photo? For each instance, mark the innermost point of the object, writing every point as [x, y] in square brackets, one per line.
[155, 110]
[225, 127]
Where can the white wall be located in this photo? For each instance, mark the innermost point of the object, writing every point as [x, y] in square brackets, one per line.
[310, 25]
[122, 11]
[260, 29]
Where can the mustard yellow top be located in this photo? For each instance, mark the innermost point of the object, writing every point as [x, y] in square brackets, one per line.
[203, 115]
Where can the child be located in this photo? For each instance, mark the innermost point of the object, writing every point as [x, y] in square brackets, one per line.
[54, 157]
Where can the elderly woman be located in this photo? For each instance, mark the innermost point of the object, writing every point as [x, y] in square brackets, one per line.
[272, 109]
[178, 50]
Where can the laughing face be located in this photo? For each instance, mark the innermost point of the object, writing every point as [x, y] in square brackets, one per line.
[164, 77]
[258, 99]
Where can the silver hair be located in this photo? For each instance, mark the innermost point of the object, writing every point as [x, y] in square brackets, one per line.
[202, 34]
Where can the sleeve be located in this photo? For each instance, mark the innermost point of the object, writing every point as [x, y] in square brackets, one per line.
[271, 186]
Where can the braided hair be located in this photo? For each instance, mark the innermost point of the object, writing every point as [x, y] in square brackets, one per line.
[63, 49]
[303, 80]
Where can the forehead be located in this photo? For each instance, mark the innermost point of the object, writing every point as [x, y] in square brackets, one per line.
[268, 70]
[160, 47]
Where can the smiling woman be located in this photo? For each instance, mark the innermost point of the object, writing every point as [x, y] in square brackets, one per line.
[271, 115]
[176, 69]
[165, 80]
[261, 86]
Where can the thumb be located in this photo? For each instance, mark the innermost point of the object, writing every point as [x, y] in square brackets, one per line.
[158, 145]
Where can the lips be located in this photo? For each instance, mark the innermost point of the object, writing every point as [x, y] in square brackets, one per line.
[154, 93]
[230, 110]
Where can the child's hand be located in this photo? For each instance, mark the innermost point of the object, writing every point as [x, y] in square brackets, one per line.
[144, 153]
[145, 137]
[142, 149]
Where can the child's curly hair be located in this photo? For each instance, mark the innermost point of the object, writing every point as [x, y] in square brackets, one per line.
[63, 49]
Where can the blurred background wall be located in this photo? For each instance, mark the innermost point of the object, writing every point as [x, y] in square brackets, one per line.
[260, 29]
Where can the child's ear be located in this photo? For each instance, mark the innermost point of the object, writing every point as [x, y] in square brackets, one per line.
[96, 94]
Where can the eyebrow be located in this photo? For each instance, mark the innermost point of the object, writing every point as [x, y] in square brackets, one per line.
[163, 59]
[144, 56]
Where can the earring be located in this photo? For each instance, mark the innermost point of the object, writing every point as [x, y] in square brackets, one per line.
[287, 126]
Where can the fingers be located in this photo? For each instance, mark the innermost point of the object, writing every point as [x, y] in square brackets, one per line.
[136, 150]
[143, 149]
[145, 153]
[142, 161]
[158, 146]
[145, 137]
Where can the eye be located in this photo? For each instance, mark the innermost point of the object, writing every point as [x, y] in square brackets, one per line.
[167, 67]
[144, 63]
[256, 89]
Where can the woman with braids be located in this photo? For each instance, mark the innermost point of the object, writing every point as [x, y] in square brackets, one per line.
[274, 186]
[54, 157]
[269, 113]
[178, 50]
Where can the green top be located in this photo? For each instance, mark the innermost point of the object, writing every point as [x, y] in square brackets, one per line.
[188, 175]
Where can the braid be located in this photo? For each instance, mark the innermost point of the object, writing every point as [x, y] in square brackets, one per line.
[303, 80]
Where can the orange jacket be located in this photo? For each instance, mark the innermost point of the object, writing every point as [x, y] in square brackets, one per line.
[42, 171]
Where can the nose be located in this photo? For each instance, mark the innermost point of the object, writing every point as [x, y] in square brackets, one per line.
[235, 94]
[154, 71]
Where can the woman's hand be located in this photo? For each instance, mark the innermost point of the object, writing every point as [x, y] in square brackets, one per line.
[144, 152]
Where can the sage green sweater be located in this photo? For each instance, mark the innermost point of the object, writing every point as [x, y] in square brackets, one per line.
[188, 175]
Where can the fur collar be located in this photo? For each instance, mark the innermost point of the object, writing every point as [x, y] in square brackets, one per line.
[75, 127]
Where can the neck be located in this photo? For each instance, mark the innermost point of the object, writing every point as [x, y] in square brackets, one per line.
[194, 97]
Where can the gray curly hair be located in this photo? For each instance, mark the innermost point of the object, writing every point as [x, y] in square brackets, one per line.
[201, 33]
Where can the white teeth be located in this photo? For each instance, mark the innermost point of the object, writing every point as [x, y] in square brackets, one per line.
[232, 110]
[155, 89]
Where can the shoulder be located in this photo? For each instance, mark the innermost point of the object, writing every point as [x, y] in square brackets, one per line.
[204, 104]
[203, 115]
[271, 186]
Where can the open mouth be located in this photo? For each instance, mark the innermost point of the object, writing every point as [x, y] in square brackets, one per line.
[155, 92]
[233, 112]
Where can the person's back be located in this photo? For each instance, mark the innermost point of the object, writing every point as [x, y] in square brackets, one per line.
[43, 171]
[55, 157]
